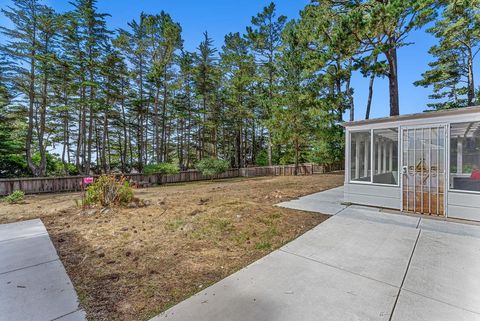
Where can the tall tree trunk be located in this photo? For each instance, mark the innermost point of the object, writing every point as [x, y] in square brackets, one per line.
[254, 142]
[90, 136]
[471, 81]
[126, 134]
[65, 144]
[164, 116]
[145, 130]
[43, 111]
[297, 155]
[349, 91]
[98, 150]
[140, 121]
[269, 148]
[370, 96]
[202, 142]
[157, 145]
[391, 55]
[81, 132]
[238, 147]
[189, 134]
[270, 97]
[105, 142]
[31, 103]
[108, 150]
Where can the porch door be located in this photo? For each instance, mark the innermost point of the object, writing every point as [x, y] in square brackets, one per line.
[423, 170]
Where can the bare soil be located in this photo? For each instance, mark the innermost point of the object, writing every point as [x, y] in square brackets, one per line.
[133, 263]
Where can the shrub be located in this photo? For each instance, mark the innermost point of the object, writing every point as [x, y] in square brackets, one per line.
[15, 197]
[161, 168]
[262, 158]
[210, 166]
[108, 191]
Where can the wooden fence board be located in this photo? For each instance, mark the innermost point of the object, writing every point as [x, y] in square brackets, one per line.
[36, 185]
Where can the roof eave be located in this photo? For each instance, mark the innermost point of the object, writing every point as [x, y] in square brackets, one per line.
[428, 114]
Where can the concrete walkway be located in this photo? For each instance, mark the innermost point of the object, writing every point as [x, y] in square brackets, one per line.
[360, 264]
[33, 282]
[326, 202]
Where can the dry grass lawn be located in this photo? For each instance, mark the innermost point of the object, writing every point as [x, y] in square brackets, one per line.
[131, 264]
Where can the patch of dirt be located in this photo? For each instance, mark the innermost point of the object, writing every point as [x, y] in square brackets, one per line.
[133, 263]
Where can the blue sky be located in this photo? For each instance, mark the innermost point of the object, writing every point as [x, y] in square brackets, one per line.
[220, 17]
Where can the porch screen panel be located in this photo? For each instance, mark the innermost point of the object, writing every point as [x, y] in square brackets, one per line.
[385, 156]
[465, 156]
[360, 149]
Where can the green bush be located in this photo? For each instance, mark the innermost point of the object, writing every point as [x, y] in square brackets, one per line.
[161, 168]
[15, 197]
[262, 158]
[210, 166]
[108, 191]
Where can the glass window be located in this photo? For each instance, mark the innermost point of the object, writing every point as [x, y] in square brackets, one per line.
[465, 156]
[360, 165]
[385, 153]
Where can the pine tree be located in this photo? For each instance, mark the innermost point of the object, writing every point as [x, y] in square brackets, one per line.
[333, 51]
[94, 35]
[265, 40]
[451, 74]
[206, 83]
[134, 46]
[12, 162]
[164, 38]
[239, 71]
[382, 26]
[294, 119]
[22, 51]
[184, 109]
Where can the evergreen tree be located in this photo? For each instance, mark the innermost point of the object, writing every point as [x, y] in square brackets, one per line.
[206, 84]
[332, 52]
[22, 49]
[382, 26]
[11, 161]
[164, 39]
[134, 46]
[94, 36]
[451, 74]
[185, 110]
[294, 119]
[265, 40]
[239, 74]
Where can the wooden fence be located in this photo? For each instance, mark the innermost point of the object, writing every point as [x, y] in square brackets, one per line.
[35, 185]
[288, 170]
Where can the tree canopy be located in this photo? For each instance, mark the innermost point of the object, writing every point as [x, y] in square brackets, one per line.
[79, 98]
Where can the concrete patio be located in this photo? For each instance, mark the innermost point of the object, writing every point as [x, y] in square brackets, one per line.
[326, 202]
[33, 282]
[360, 264]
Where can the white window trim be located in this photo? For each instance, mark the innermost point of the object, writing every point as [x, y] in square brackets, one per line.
[372, 154]
[449, 158]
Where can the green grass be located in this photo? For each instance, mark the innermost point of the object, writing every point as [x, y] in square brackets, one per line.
[263, 246]
[175, 224]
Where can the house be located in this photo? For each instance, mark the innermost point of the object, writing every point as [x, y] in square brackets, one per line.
[426, 163]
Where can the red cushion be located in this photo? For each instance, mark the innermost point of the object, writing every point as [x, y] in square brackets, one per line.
[475, 174]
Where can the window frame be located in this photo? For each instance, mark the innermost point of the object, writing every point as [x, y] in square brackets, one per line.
[372, 154]
[449, 142]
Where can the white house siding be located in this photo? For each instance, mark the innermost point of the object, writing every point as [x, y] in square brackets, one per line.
[464, 205]
[373, 195]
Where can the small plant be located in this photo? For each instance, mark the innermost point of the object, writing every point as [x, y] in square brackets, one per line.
[211, 167]
[161, 168]
[263, 246]
[108, 191]
[14, 197]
